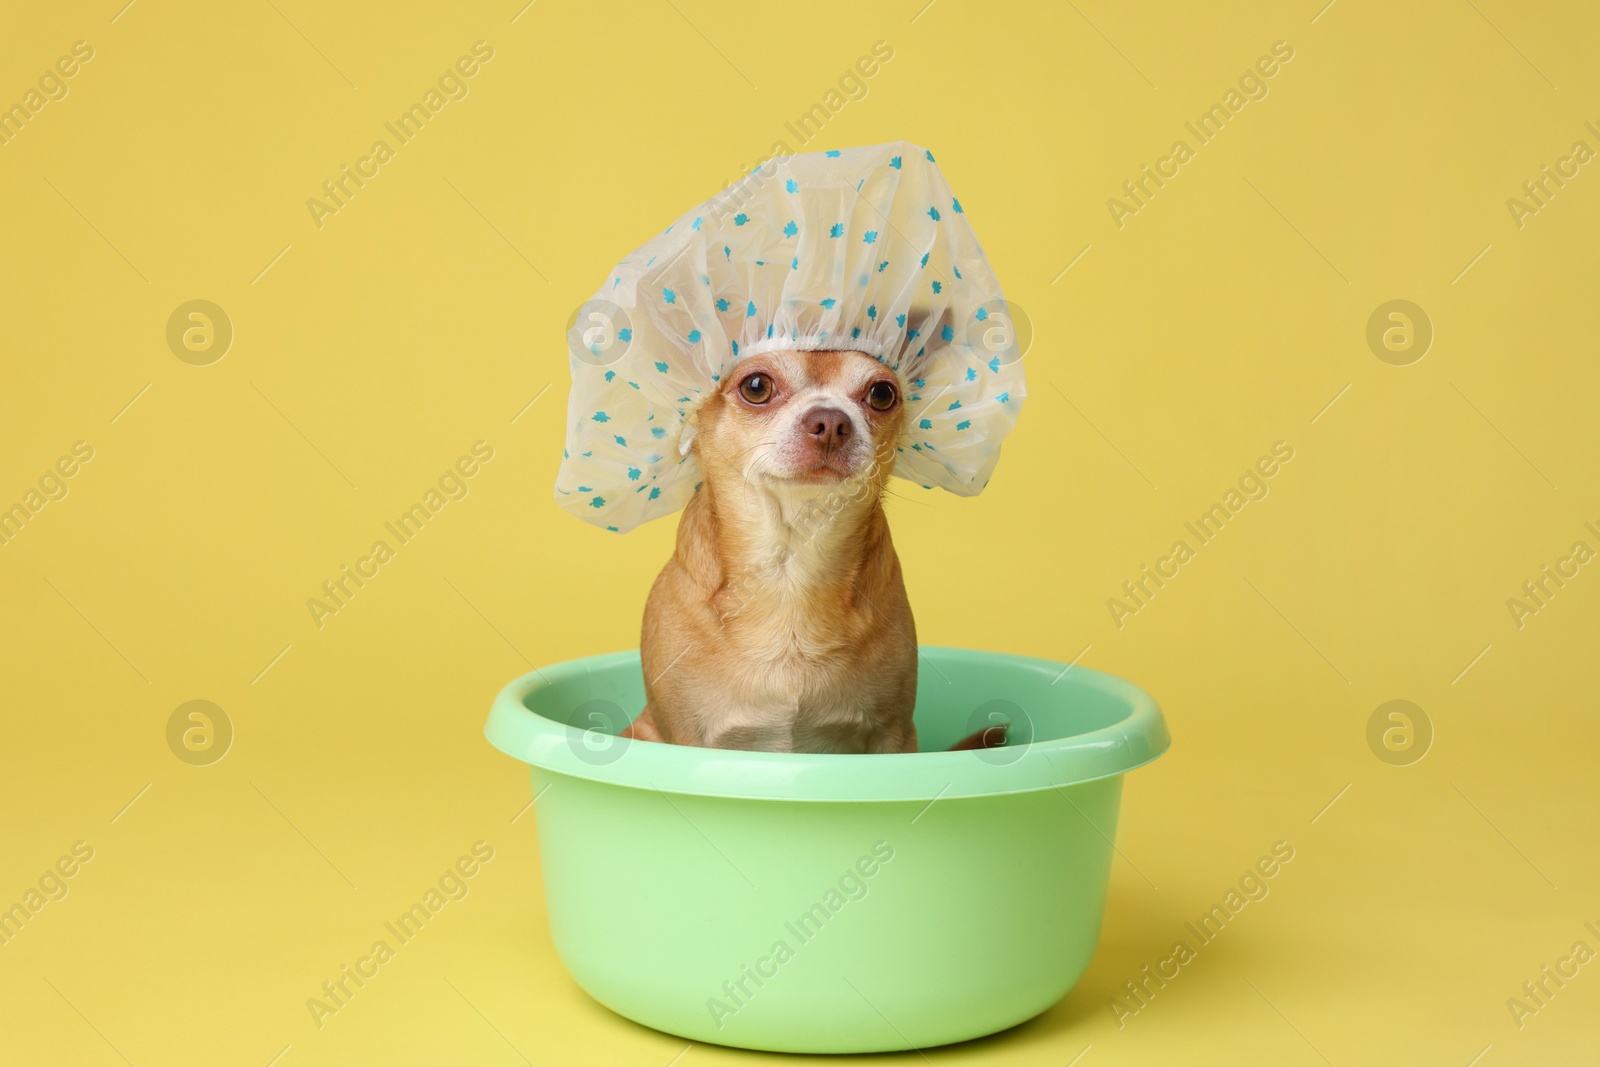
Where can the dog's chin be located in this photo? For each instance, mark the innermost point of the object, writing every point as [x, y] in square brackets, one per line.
[814, 472]
[822, 474]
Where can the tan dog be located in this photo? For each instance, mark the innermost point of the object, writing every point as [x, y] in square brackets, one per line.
[781, 622]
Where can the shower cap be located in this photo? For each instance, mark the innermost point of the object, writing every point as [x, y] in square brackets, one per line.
[861, 249]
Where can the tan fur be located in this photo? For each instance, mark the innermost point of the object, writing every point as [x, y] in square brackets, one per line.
[781, 622]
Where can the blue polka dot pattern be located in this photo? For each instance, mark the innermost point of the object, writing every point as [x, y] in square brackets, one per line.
[851, 248]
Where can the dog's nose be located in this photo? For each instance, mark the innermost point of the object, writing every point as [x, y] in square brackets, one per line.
[829, 427]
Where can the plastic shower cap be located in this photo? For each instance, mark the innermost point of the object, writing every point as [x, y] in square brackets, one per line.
[863, 249]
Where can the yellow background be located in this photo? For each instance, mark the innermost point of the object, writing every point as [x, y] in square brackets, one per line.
[370, 353]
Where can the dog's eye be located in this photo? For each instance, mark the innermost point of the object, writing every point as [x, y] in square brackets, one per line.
[881, 396]
[757, 389]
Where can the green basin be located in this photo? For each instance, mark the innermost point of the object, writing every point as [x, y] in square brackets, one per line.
[831, 903]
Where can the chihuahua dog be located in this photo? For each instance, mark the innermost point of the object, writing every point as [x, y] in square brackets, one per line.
[781, 622]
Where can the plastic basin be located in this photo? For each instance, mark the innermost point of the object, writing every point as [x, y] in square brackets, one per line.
[831, 903]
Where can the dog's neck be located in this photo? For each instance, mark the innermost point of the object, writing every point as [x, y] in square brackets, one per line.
[778, 545]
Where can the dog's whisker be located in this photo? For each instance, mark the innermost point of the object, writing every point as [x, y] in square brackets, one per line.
[898, 496]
